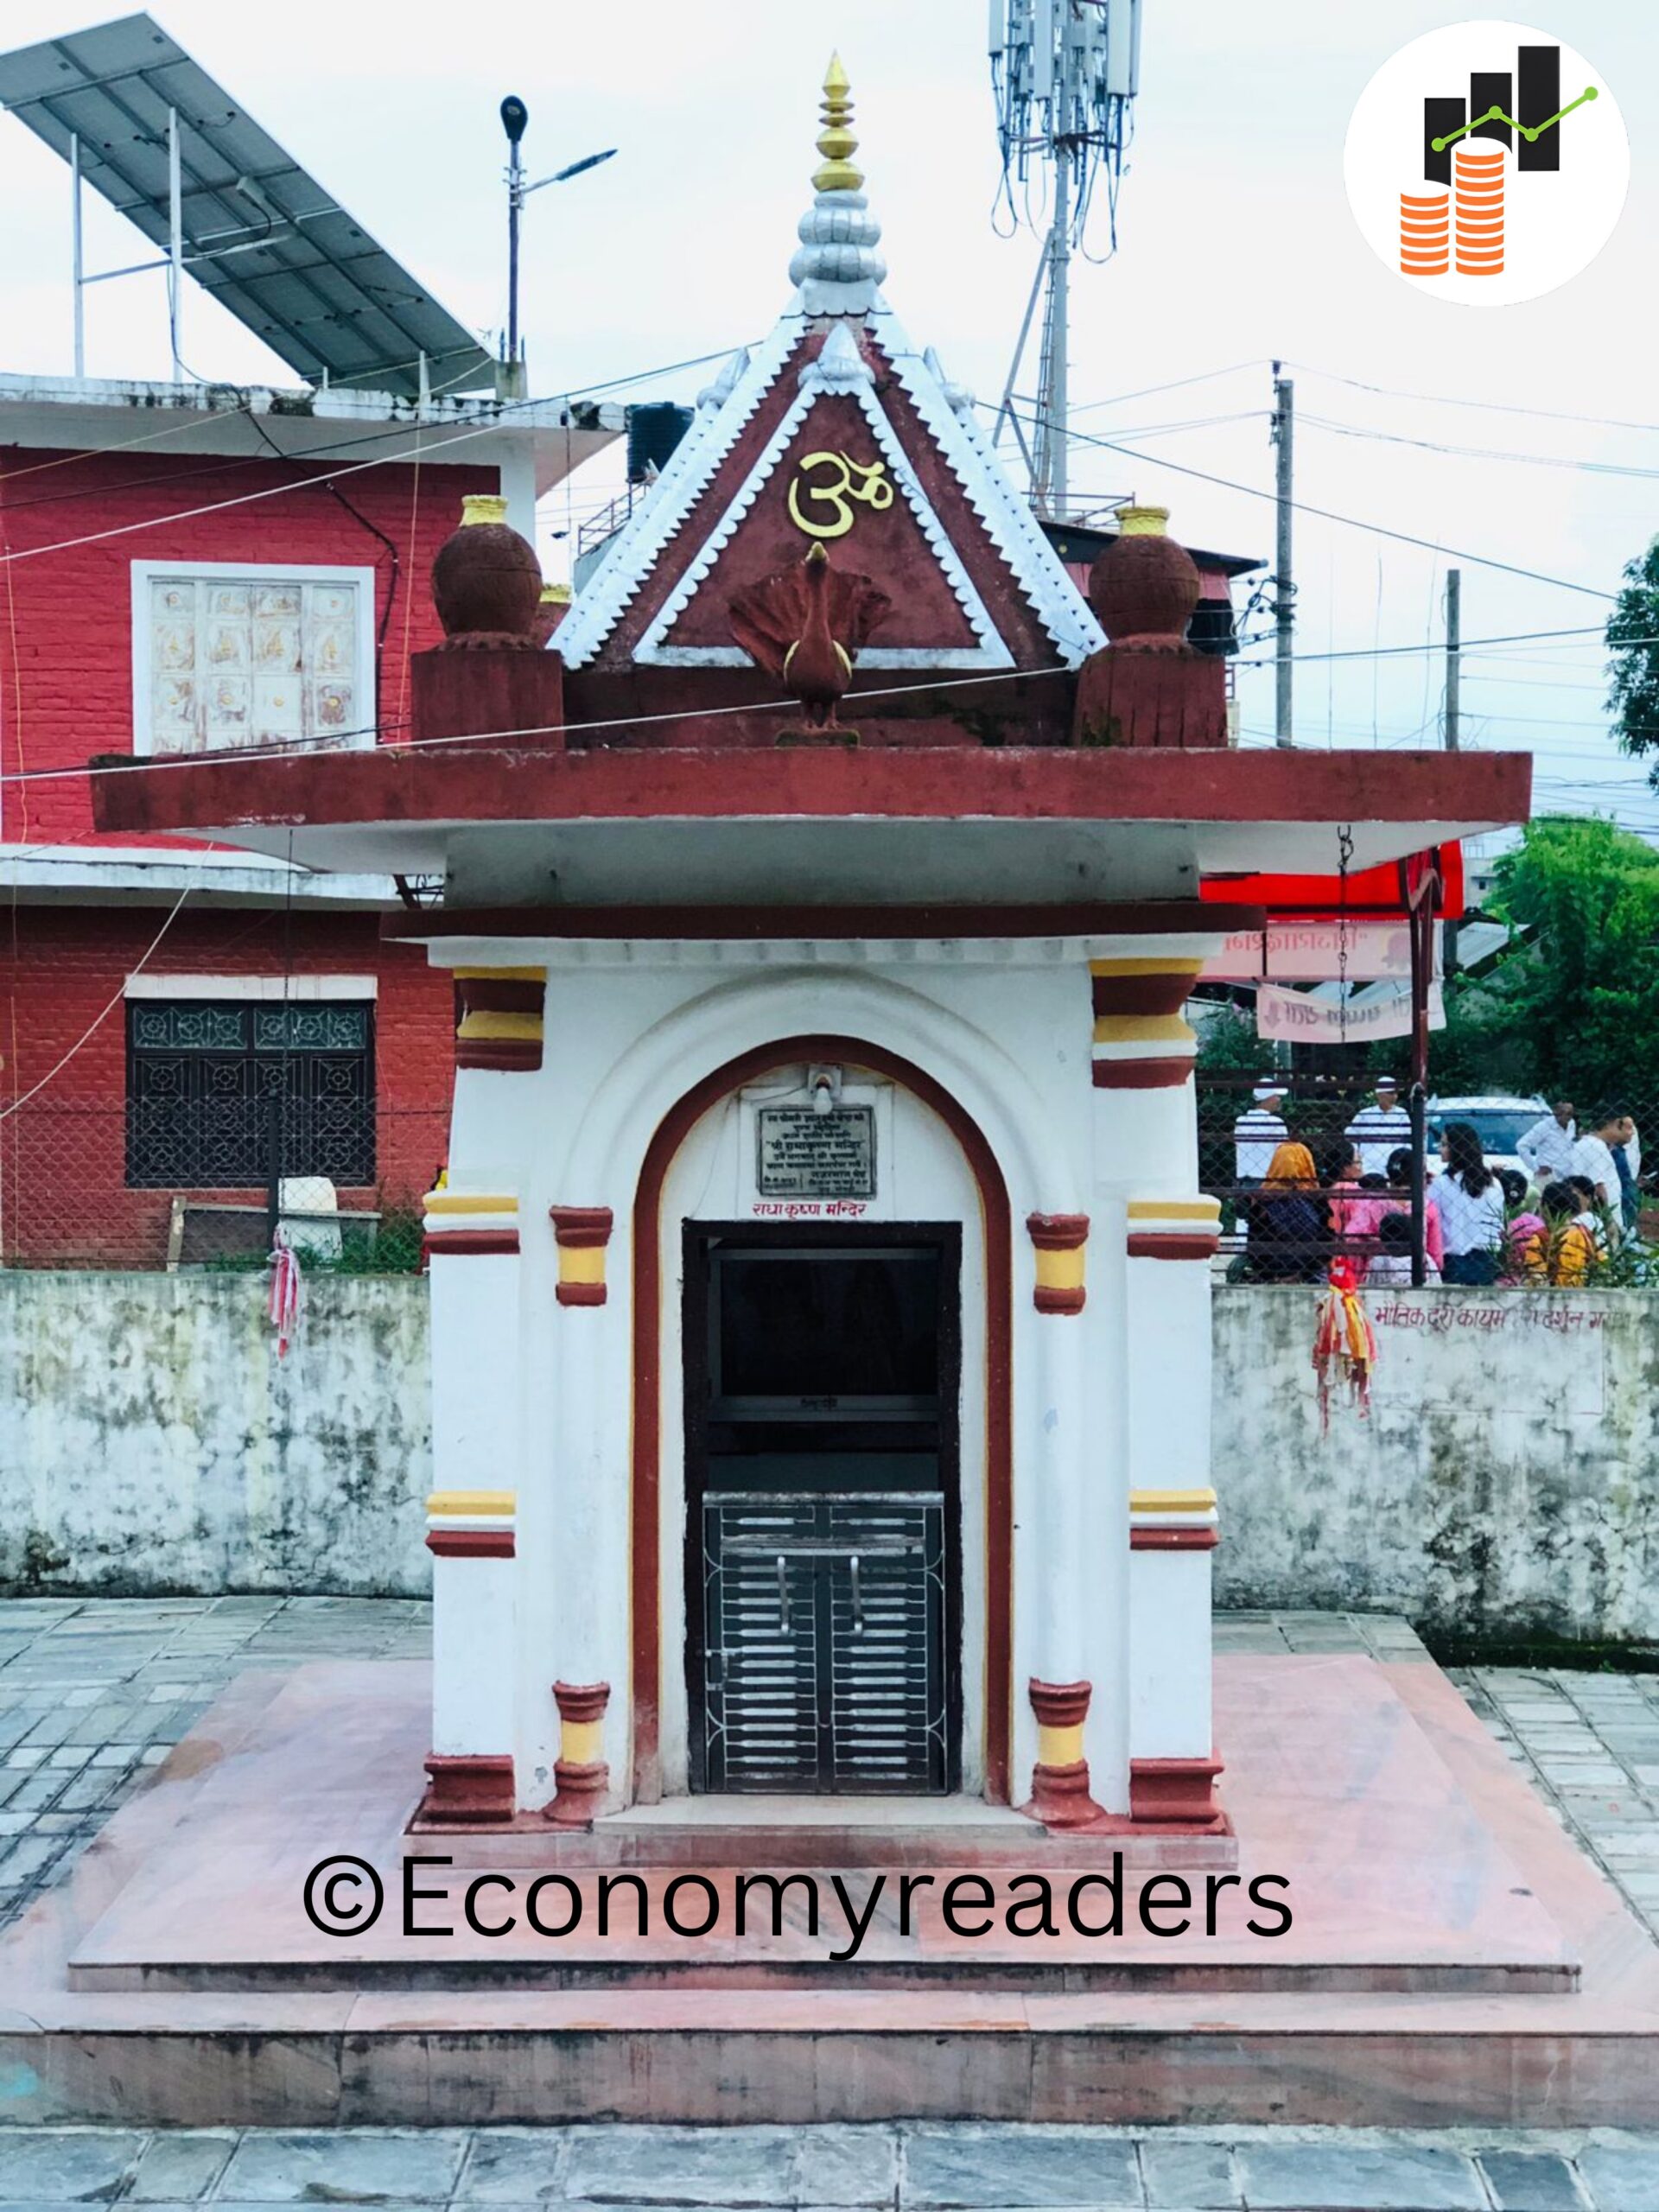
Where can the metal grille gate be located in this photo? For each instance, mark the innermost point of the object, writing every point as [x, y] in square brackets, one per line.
[825, 1666]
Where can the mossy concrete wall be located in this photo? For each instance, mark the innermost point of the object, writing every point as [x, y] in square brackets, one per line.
[1506, 1478]
[152, 1441]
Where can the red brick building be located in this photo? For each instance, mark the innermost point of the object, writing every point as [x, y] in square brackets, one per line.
[182, 568]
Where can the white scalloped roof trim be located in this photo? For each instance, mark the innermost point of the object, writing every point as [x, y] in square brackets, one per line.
[1060, 606]
[991, 653]
[643, 539]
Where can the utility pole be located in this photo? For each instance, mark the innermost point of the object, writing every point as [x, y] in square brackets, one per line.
[1052, 486]
[1454, 653]
[1284, 588]
[1453, 679]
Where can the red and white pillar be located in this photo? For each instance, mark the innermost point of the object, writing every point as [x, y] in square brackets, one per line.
[472, 1525]
[1060, 1692]
[1164, 1236]
[587, 1472]
[472, 1243]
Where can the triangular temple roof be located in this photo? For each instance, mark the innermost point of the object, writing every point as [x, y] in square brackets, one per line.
[838, 430]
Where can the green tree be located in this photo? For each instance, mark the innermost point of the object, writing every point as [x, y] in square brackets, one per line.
[1228, 1045]
[1574, 1008]
[1633, 640]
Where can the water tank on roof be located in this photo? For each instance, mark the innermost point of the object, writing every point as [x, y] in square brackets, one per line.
[653, 433]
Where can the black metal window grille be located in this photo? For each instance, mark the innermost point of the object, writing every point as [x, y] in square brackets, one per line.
[825, 1662]
[217, 1087]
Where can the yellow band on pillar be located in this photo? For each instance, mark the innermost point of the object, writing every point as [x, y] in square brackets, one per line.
[1059, 1746]
[581, 1263]
[1059, 1270]
[1178, 966]
[1142, 1029]
[1174, 1209]
[487, 1027]
[479, 1504]
[581, 1743]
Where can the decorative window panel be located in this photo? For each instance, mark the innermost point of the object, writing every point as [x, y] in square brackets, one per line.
[252, 661]
[220, 1092]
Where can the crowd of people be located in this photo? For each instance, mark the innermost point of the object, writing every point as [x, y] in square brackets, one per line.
[1558, 1222]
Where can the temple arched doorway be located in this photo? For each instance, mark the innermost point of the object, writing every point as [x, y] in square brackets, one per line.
[821, 1525]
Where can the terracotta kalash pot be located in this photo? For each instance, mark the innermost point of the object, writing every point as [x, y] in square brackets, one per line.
[494, 674]
[1145, 587]
[556, 603]
[1148, 686]
[486, 580]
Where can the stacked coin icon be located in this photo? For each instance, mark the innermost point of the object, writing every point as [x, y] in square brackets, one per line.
[1477, 179]
[1425, 233]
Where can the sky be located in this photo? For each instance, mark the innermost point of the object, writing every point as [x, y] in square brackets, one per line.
[1528, 433]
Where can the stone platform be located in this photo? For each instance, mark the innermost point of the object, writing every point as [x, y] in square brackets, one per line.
[948, 1834]
[1452, 1955]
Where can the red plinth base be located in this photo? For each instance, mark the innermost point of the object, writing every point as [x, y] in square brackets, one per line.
[1060, 1799]
[580, 1793]
[1130, 697]
[1174, 1794]
[468, 1788]
[513, 688]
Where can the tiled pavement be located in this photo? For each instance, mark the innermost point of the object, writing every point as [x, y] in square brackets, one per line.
[1587, 1743]
[906, 2169]
[94, 1692]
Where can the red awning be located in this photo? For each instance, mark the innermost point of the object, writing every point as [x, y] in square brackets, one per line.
[1373, 892]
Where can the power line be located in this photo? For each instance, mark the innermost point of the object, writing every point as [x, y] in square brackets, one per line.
[121, 445]
[1494, 406]
[355, 443]
[1431, 645]
[1199, 423]
[1555, 722]
[338, 741]
[1472, 453]
[247, 498]
[15, 1105]
[1533, 683]
[1176, 384]
[314, 750]
[1328, 514]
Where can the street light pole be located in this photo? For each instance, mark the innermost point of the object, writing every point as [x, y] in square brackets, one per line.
[514, 116]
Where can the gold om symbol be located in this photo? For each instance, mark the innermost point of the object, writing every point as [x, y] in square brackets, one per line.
[872, 489]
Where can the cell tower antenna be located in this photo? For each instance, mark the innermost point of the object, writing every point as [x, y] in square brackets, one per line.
[1064, 73]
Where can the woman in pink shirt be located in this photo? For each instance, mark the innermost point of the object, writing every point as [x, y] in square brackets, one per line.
[1348, 1206]
[1365, 1213]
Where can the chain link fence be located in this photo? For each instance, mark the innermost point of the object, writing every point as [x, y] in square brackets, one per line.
[1359, 1145]
[198, 1181]
[201, 1181]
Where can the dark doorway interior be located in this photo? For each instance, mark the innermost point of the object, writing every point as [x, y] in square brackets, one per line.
[822, 1370]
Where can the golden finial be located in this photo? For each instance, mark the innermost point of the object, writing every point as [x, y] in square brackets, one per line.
[835, 140]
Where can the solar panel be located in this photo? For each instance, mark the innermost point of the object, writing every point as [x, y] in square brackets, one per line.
[260, 233]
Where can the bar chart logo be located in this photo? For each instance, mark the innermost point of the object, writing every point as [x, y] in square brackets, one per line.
[1486, 163]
